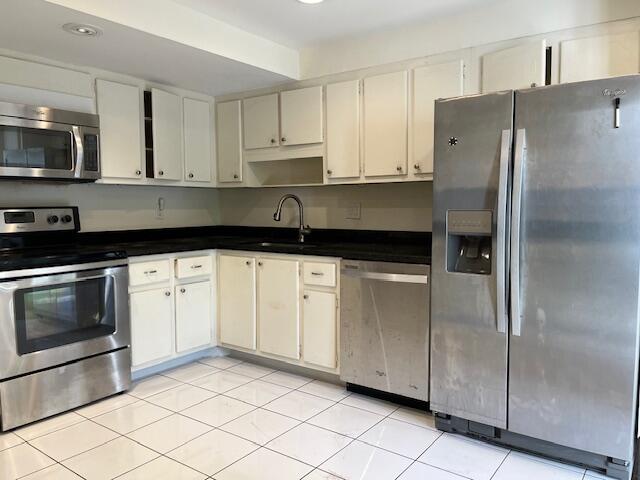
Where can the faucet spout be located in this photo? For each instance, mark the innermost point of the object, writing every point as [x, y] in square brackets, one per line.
[302, 230]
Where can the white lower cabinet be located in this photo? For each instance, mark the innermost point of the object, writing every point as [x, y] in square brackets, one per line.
[171, 312]
[151, 325]
[237, 301]
[320, 328]
[279, 306]
[261, 309]
[194, 317]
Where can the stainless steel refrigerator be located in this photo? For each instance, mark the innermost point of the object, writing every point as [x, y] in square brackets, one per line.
[536, 268]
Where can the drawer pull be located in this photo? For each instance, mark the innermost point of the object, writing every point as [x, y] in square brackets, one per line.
[317, 274]
[196, 266]
[151, 272]
[168, 294]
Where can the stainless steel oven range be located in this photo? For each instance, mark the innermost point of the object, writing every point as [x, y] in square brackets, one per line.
[64, 334]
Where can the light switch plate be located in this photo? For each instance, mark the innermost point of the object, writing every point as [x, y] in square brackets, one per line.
[353, 212]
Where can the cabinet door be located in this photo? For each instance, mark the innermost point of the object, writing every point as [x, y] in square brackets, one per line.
[385, 125]
[229, 127]
[430, 83]
[236, 297]
[260, 117]
[197, 141]
[119, 107]
[194, 318]
[279, 307]
[319, 315]
[166, 118]
[343, 129]
[151, 329]
[301, 116]
[523, 66]
[599, 57]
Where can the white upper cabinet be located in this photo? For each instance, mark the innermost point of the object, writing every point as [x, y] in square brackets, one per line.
[197, 140]
[120, 110]
[523, 66]
[279, 307]
[385, 124]
[599, 57]
[301, 119]
[343, 130]
[229, 128]
[261, 121]
[194, 319]
[167, 135]
[237, 301]
[430, 83]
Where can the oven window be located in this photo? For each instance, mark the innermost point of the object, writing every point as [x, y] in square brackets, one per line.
[55, 315]
[23, 147]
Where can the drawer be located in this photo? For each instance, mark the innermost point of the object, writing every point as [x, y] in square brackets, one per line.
[149, 272]
[193, 267]
[321, 274]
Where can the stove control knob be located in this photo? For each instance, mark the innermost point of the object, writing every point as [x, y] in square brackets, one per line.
[52, 219]
[66, 219]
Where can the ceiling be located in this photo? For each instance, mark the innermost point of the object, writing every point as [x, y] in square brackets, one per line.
[34, 27]
[296, 25]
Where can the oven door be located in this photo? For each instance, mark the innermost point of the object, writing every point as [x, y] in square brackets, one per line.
[53, 319]
[34, 148]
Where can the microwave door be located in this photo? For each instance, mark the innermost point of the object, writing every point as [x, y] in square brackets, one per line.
[33, 148]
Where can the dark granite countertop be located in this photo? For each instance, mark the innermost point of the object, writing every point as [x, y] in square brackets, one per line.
[404, 247]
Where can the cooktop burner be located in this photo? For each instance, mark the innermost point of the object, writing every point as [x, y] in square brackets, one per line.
[46, 237]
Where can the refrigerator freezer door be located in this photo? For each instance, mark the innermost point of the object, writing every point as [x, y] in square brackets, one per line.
[468, 337]
[573, 361]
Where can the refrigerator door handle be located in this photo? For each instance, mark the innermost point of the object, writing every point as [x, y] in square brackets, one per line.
[501, 299]
[516, 207]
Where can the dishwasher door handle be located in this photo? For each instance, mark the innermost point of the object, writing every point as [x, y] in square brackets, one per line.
[387, 277]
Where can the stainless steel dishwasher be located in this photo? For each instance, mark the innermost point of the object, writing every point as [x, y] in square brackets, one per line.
[384, 327]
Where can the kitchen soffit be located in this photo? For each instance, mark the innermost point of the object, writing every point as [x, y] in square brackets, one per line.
[297, 25]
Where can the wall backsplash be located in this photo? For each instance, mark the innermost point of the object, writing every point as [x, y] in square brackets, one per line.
[389, 206]
[112, 207]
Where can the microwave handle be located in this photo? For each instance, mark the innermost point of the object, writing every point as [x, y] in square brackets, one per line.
[77, 150]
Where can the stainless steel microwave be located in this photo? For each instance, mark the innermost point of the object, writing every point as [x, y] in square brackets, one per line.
[45, 143]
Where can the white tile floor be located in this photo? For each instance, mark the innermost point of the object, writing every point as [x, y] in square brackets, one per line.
[228, 420]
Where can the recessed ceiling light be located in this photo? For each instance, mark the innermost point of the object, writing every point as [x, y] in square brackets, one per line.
[82, 29]
[311, 2]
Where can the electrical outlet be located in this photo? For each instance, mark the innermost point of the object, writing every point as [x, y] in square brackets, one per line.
[353, 212]
[160, 208]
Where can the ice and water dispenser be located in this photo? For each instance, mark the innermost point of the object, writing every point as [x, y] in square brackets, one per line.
[469, 241]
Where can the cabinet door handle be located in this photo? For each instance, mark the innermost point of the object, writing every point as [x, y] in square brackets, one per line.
[182, 290]
[259, 264]
[235, 176]
[306, 297]
[161, 173]
[329, 172]
[168, 294]
[416, 166]
[273, 140]
[399, 168]
[191, 175]
[283, 139]
[248, 262]
[317, 274]
[138, 172]
[150, 272]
